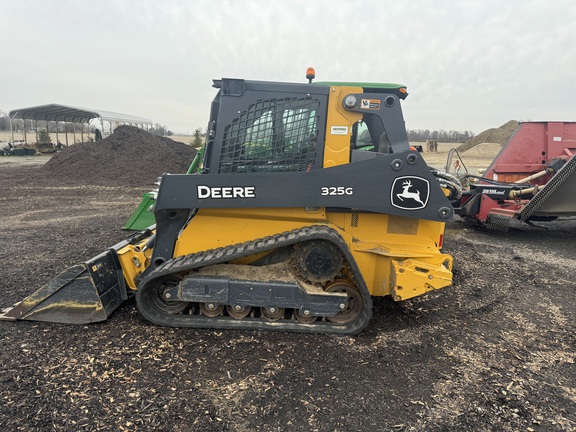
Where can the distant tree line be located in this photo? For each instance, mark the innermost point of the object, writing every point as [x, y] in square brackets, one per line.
[452, 136]
[160, 130]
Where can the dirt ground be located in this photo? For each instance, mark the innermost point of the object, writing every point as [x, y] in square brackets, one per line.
[494, 352]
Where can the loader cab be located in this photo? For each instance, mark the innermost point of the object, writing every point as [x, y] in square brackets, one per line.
[262, 127]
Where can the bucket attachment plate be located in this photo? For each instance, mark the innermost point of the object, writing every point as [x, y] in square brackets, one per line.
[82, 294]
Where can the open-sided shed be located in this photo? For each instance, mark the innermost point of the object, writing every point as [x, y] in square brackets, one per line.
[68, 114]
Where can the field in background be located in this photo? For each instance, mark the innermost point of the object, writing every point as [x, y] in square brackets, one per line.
[6, 136]
[474, 162]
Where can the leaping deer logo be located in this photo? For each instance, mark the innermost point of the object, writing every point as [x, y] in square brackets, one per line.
[406, 185]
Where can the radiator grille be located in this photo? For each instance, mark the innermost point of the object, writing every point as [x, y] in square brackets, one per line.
[354, 220]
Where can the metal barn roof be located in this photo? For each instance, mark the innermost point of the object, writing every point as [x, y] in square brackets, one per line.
[63, 113]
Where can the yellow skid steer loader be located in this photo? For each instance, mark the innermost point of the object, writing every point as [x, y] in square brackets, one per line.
[292, 225]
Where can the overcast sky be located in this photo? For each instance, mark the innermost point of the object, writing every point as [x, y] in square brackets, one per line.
[468, 65]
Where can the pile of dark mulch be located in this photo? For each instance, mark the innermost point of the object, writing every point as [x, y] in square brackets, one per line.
[128, 157]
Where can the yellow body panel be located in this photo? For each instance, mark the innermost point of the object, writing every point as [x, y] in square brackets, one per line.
[396, 256]
[337, 150]
[383, 246]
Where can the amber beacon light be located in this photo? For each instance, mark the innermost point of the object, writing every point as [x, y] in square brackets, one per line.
[310, 74]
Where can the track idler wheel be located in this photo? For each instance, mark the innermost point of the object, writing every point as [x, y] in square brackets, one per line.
[354, 307]
[159, 296]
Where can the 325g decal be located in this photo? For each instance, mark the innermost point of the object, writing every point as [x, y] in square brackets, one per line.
[337, 190]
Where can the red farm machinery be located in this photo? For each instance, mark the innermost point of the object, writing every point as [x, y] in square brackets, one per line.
[532, 178]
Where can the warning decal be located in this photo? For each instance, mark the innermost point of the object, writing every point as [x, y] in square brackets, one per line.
[371, 104]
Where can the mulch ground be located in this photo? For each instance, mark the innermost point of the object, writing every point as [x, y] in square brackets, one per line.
[494, 352]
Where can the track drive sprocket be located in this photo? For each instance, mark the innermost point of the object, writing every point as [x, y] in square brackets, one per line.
[317, 261]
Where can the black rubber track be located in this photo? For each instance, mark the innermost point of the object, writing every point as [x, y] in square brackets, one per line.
[187, 263]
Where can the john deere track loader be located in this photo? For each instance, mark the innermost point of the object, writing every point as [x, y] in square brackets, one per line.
[291, 225]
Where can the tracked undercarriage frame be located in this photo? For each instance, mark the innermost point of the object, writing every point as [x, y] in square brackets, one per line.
[254, 304]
